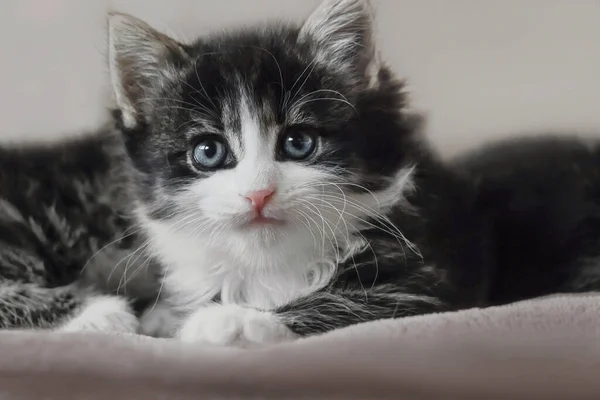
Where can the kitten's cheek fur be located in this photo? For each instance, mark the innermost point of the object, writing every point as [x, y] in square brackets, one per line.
[233, 325]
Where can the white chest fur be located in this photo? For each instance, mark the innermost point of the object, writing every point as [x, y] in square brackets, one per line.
[266, 269]
[238, 271]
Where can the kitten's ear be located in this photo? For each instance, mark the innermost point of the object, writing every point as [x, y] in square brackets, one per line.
[343, 32]
[140, 58]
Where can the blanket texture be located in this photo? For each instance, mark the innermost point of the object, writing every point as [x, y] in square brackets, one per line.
[542, 349]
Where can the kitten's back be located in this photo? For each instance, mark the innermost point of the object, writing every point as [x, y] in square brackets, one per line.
[544, 196]
[64, 201]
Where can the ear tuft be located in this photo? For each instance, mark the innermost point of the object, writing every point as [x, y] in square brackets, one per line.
[343, 33]
[139, 58]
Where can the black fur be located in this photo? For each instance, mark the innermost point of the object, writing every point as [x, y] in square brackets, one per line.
[366, 139]
[508, 222]
[466, 245]
[387, 280]
[543, 194]
[60, 204]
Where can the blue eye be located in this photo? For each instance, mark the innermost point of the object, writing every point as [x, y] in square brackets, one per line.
[299, 145]
[209, 153]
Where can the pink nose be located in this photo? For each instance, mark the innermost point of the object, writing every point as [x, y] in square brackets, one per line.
[260, 198]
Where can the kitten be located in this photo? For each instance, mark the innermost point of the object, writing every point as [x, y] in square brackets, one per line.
[284, 186]
[67, 234]
[277, 179]
[543, 197]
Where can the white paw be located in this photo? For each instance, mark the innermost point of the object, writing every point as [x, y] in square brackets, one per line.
[103, 314]
[158, 321]
[233, 325]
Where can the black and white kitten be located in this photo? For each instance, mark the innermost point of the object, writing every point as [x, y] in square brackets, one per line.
[285, 189]
[277, 178]
[273, 173]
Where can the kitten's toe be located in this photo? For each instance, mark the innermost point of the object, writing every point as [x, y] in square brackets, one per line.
[108, 314]
[261, 328]
[214, 324]
[232, 325]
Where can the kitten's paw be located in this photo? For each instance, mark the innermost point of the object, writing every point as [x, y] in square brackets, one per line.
[110, 314]
[158, 321]
[232, 325]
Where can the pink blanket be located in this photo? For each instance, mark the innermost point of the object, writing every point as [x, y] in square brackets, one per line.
[542, 349]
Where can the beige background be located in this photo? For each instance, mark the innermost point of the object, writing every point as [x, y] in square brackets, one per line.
[479, 68]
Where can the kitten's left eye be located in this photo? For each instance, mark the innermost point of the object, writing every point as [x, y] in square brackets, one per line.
[209, 153]
[298, 145]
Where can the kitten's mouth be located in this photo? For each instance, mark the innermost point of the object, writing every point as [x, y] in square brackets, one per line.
[260, 220]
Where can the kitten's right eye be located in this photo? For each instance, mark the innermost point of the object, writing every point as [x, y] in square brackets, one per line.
[209, 153]
[298, 145]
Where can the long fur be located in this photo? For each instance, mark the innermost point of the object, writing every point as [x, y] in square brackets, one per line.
[370, 225]
[375, 226]
[542, 194]
[67, 229]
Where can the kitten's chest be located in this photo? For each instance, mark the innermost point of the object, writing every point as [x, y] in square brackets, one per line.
[239, 269]
[262, 280]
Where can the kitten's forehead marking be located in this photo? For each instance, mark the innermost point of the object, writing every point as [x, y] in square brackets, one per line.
[250, 127]
[229, 117]
[257, 168]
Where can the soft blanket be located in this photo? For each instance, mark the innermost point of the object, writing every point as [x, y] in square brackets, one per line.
[542, 349]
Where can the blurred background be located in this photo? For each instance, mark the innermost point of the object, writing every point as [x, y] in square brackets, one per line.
[478, 69]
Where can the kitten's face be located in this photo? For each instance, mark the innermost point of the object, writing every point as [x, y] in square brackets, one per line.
[264, 134]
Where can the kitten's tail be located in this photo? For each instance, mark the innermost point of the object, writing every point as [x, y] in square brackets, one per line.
[29, 306]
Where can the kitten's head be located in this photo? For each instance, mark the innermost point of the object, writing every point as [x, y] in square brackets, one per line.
[263, 134]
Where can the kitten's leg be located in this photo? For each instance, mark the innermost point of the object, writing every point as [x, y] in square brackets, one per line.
[110, 314]
[29, 306]
[328, 310]
[233, 325]
[316, 313]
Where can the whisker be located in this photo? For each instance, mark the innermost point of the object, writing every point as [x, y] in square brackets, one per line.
[373, 213]
[323, 91]
[351, 255]
[391, 229]
[110, 244]
[198, 77]
[298, 105]
[336, 247]
[307, 224]
[312, 66]
[160, 288]
[128, 256]
[280, 73]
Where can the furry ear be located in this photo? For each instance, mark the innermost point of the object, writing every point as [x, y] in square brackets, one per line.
[140, 58]
[343, 33]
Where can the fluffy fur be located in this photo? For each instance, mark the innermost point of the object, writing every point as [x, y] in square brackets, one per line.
[67, 234]
[543, 196]
[367, 224]
[373, 226]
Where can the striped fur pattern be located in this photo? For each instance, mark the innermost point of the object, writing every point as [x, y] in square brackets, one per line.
[67, 235]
